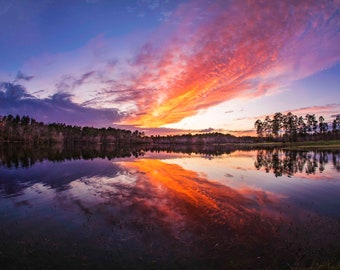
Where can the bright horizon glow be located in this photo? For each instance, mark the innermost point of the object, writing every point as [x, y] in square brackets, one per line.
[169, 66]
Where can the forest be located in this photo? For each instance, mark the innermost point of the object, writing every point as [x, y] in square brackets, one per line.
[28, 130]
[290, 127]
[280, 128]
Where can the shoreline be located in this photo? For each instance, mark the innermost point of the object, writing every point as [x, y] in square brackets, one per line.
[324, 145]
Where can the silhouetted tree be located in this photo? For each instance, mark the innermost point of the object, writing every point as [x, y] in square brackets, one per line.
[259, 127]
[301, 126]
[336, 124]
[267, 126]
[277, 124]
[312, 123]
[292, 127]
[323, 127]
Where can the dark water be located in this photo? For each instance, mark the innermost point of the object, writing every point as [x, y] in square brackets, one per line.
[180, 209]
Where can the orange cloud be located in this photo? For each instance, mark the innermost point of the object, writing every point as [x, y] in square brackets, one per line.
[209, 53]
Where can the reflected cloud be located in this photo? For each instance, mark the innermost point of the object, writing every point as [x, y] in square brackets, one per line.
[170, 216]
[188, 189]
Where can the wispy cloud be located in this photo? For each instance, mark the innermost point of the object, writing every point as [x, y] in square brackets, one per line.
[318, 110]
[219, 51]
[69, 82]
[231, 111]
[207, 130]
[144, 8]
[327, 110]
[21, 76]
[206, 53]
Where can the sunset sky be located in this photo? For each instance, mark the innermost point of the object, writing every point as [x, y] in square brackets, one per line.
[169, 66]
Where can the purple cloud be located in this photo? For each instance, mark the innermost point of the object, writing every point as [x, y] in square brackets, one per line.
[14, 99]
[21, 76]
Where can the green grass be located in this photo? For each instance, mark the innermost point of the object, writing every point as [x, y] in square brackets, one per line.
[294, 146]
[314, 145]
[298, 146]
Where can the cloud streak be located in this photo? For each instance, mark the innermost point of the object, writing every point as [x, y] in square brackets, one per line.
[21, 76]
[203, 54]
[327, 111]
[220, 51]
[68, 82]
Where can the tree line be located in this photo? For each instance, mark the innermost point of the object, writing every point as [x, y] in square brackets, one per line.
[27, 130]
[281, 127]
[292, 127]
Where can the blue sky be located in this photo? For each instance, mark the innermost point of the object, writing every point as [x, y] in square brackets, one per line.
[169, 66]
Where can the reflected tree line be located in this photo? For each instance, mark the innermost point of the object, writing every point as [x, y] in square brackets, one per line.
[24, 155]
[281, 162]
[16, 155]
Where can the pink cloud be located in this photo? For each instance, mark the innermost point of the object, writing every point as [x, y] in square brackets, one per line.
[203, 55]
[327, 109]
[220, 51]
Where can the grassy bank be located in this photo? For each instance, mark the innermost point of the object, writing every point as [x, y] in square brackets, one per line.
[313, 145]
[298, 146]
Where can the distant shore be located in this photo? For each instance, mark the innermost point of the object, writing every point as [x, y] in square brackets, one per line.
[325, 145]
[26, 130]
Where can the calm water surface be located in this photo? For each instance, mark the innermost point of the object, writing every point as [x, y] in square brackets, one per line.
[256, 209]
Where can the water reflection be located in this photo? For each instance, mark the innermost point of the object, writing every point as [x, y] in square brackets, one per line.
[17, 155]
[291, 162]
[224, 227]
[151, 213]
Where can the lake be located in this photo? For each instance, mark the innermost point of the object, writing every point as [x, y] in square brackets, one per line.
[182, 208]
